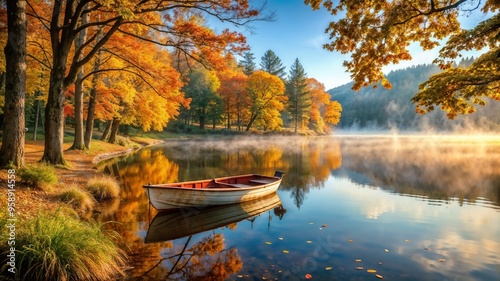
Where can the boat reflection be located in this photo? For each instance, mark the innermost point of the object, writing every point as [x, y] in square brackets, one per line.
[179, 223]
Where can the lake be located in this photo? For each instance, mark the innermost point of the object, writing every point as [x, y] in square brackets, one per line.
[351, 207]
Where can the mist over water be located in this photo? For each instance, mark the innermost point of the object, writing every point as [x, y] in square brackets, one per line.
[411, 206]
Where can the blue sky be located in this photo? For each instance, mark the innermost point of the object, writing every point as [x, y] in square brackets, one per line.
[298, 32]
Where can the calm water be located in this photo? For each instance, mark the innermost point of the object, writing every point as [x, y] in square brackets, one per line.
[410, 208]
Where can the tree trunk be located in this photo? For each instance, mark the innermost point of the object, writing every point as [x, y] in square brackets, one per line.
[114, 130]
[35, 130]
[89, 126]
[105, 134]
[54, 117]
[78, 142]
[12, 150]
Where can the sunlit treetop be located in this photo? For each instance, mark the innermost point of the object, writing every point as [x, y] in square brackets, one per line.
[377, 33]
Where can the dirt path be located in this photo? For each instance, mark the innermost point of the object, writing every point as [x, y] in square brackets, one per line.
[30, 201]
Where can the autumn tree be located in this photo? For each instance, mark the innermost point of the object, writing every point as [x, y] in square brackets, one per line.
[299, 98]
[266, 94]
[178, 28]
[248, 63]
[234, 95]
[379, 33]
[12, 150]
[319, 100]
[272, 64]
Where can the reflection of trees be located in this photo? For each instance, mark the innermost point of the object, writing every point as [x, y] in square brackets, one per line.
[307, 163]
[206, 260]
[134, 171]
[436, 169]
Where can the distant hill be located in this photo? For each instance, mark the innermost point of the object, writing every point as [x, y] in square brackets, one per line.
[379, 108]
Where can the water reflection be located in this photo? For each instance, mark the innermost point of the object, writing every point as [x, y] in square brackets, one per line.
[440, 194]
[184, 222]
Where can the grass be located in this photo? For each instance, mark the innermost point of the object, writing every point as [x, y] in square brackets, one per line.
[80, 199]
[103, 187]
[39, 175]
[61, 247]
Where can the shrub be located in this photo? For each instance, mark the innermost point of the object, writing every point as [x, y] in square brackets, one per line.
[103, 187]
[80, 199]
[60, 247]
[123, 141]
[40, 175]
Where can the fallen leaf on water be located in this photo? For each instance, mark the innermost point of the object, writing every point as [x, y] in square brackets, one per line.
[379, 262]
[379, 276]
[358, 260]
[350, 240]
[325, 225]
[407, 240]
[268, 243]
[329, 268]
[309, 241]
[281, 238]
[371, 271]
[359, 268]
[240, 276]
[387, 251]
[427, 249]
[286, 251]
[442, 260]
[308, 276]
[311, 223]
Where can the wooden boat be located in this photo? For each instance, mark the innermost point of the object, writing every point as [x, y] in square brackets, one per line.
[180, 223]
[212, 192]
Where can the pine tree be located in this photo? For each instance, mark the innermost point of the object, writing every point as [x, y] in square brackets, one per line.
[248, 64]
[271, 63]
[299, 99]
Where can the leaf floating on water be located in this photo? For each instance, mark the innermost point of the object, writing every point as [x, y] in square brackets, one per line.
[379, 276]
[308, 276]
[387, 251]
[268, 243]
[325, 225]
[281, 238]
[329, 268]
[442, 260]
[371, 271]
[240, 276]
[309, 241]
[350, 240]
[286, 251]
[407, 240]
[427, 249]
[311, 223]
[380, 262]
[359, 268]
[358, 260]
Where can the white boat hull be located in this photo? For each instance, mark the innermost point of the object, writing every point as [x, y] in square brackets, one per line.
[166, 197]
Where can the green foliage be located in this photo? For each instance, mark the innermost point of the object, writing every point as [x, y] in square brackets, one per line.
[248, 63]
[40, 175]
[61, 247]
[299, 98]
[271, 63]
[81, 200]
[103, 187]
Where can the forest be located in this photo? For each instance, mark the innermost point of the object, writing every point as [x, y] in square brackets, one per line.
[143, 64]
[86, 64]
[383, 109]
